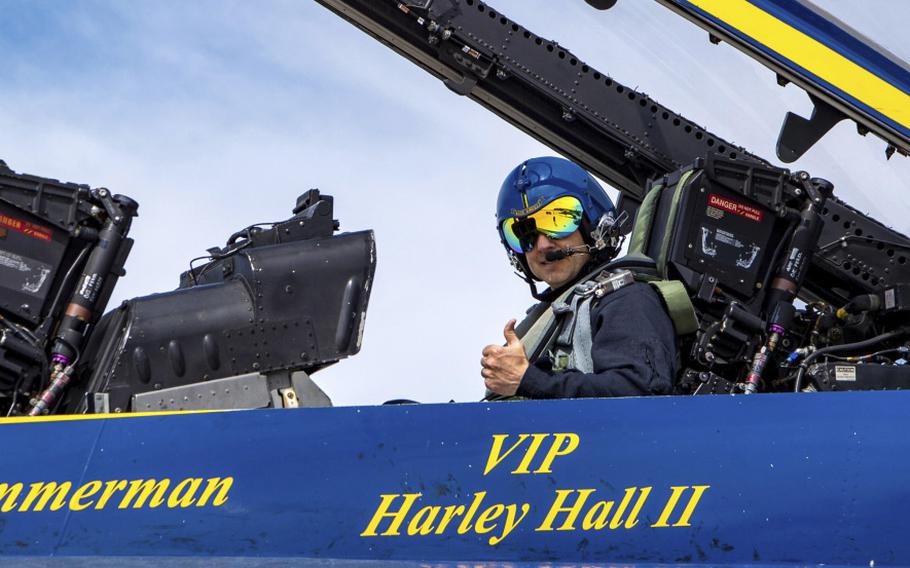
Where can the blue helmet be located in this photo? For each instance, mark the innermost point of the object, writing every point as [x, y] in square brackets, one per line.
[537, 182]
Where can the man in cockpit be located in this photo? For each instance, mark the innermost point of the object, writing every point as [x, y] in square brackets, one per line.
[596, 333]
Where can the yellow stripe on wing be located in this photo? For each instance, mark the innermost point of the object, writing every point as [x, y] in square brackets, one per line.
[73, 417]
[813, 56]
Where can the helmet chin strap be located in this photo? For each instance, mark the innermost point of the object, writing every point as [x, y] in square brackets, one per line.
[524, 274]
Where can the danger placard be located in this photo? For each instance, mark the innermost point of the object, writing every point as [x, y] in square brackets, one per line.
[25, 227]
[735, 207]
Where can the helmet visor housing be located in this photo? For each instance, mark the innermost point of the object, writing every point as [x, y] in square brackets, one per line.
[556, 220]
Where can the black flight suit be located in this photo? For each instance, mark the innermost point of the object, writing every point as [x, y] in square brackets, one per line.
[633, 351]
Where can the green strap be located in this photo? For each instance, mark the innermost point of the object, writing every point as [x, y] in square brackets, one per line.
[641, 229]
[671, 222]
[541, 328]
[679, 305]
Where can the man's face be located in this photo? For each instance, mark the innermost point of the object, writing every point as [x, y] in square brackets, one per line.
[556, 273]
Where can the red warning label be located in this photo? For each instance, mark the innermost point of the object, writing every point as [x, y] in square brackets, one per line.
[735, 207]
[26, 228]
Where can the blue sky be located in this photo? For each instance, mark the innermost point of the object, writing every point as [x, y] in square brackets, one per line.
[215, 115]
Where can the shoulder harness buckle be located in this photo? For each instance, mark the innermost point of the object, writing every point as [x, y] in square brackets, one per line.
[605, 283]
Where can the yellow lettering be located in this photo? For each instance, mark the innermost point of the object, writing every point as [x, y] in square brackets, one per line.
[220, 484]
[490, 514]
[465, 524]
[698, 491]
[141, 490]
[81, 493]
[397, 516]
[419, 525]
[596, 517]
[554, 452]
[190, 485]
[44, 492]
[671, 504]
[450, 512]
[536, 442]
[557, 507]
[633, 516]
[110, 488]
[511, 522]
[617, 517]
[494, 458]
[10, 493]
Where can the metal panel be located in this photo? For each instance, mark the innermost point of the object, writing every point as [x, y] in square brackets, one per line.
[786, 478]
[243, 391]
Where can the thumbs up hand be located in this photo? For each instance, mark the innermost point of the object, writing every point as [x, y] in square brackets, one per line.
[504, 366]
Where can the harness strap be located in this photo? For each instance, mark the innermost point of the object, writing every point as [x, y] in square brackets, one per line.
[671, 222]
[538, 334]
[678, 304]
[582, 339]
[572, 348]
[563, 352]
[641, 230]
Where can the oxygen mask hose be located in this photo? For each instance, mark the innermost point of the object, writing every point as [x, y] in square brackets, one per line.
[102, 268]
[791, 273]
[781, 319]
[61, 374]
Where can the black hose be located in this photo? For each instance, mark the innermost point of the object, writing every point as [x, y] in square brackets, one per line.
[845, 347]
[55, 305]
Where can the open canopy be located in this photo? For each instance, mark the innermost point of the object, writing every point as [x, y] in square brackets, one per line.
[846, 74]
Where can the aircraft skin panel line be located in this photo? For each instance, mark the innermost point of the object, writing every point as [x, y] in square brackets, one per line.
[785, 42]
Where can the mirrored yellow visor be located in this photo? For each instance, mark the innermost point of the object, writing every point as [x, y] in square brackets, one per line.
[556, 220]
